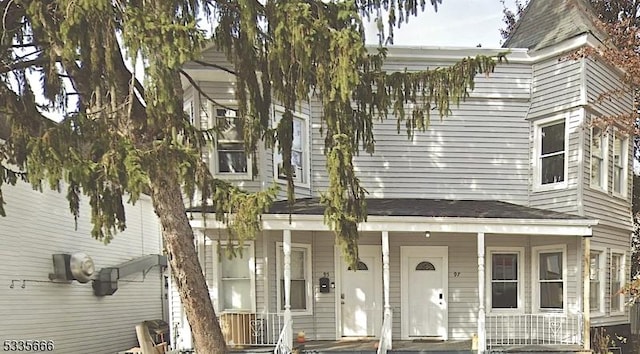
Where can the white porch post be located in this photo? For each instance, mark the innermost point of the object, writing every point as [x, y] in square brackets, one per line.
[482, 334]
[385, 280]
[586, 291]
[286, 249]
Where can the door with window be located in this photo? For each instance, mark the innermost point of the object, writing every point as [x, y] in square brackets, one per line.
[361, 294]
[424, 289]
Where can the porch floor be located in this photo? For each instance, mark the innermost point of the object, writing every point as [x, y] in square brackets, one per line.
[369, 346]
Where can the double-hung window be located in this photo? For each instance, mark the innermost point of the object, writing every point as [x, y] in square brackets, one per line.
[299, 151]
[596, 280]
[620, 159]
[231, 157]
[551, 156]
[550, 278]
[598, 158]
[617, 281]
[236, 280]
[505, 274]
[300, 288]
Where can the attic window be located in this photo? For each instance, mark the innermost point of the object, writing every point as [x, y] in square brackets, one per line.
[425, 266]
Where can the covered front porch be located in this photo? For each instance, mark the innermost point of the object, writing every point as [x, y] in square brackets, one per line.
[432, 273]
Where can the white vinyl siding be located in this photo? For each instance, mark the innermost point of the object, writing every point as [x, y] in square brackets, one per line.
[38, 225]
[556, 87]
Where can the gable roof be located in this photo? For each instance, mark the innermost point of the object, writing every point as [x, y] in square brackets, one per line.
[544, 23]
[438, 208]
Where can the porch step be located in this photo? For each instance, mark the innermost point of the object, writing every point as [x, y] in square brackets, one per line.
[541, 349]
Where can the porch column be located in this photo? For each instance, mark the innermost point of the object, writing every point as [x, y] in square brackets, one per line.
[286, 249]
[482, 334]
[586, 291]
[385, 281]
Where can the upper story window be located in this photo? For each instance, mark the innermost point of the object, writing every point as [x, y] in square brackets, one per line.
[598, 158]
[230, 155]
[299, 151]
[620, 162]
[551, 154]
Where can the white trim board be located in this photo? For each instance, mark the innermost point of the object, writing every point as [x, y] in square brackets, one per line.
[557, 227]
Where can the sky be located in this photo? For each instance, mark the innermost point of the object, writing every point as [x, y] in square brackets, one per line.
[458, 23]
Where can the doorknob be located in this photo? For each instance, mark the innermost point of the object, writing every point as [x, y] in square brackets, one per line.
[342, 296]
[440, 296]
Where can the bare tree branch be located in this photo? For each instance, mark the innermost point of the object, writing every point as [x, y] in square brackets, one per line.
[199, 89]
[204, 63]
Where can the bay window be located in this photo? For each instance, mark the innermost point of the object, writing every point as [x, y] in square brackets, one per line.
[551, 152]
[598, 158]
[617, 281]
[596, 280]
[620, 147]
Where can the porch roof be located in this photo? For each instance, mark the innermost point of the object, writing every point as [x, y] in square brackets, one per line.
[439, 208]
[421, 215]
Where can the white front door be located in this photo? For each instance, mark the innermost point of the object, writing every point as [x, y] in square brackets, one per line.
[424, 290]
[361, 294]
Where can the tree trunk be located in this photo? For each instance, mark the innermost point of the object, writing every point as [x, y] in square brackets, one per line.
[185, 267]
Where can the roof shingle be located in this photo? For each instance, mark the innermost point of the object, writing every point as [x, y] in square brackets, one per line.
[547, 22]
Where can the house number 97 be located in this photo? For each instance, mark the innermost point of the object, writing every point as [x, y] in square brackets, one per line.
[456, 274]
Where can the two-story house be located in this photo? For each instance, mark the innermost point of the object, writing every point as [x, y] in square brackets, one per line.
[508, 221]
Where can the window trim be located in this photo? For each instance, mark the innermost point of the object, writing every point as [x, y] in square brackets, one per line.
[535, 275]
[215, 295]
[520, 251]
[308, 279]
[625, 166]
[603, 280]
[604, 159]
[306, 147]
[623, 279]
[537, 150]
[213, 151]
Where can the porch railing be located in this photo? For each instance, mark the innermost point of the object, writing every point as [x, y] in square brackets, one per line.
[282, 347]
[251, 329]
[385, 334]
[534, 329]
